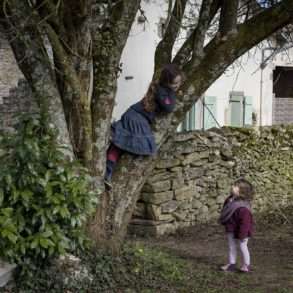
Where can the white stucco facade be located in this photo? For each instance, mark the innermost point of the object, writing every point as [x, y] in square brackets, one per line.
[243, 76]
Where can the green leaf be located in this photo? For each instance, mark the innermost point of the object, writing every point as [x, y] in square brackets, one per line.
[8, 179]
[12, 237]
[45, 243]
[47, 234]
[64, 212]
[35, 243]
[48, 176]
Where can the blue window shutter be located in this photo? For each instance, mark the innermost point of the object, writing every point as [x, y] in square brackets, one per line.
[186, 122]
[210, 112]
[192, 117]
[236, 109]
[189, 120]
[248, 111]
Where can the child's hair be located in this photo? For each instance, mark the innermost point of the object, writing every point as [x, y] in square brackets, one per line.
[168, 74]
[246, 190]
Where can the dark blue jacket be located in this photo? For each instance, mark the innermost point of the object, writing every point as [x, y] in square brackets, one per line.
[133, 133]
[165, 100]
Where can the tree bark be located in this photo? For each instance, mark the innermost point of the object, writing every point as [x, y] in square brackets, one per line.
[163, 54]
[108, 43]
[228, 18]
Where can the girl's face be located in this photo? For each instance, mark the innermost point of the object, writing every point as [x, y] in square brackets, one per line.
[235, 190]
[176, 83]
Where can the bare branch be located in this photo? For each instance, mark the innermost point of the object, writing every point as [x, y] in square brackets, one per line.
[184, 53]
[228, 17]
[222, 54]
[67, 69]
[201, 29]
[163, 54]
[108, 43]
[27, 44]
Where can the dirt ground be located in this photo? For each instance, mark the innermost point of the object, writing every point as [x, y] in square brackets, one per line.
[205, 249]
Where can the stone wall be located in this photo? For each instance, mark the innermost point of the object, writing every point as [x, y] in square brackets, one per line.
[18, 101]
[9, 71]
[15, 94]
[192, 180]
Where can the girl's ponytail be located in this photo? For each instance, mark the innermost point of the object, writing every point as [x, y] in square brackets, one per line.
[149, 98]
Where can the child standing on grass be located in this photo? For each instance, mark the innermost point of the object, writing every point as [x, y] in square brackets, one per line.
[237, 218]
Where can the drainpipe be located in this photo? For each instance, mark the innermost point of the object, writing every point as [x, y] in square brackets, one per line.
[263, 64]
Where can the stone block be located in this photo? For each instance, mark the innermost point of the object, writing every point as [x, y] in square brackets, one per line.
[194, 157]
[192, 173]
[204, 209]
[157, 186]
[196, 204]
[140, 210]
[169, 207]
[180, 215]
[183, 193]
[170, 163]
[178, 182]
[176, 169]
[161, 176]
[185, 204]
[157, 198]
[221, 199]
[227, 153]
[199, 163]
[154, 212]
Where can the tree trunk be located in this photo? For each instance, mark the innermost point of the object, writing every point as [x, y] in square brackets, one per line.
[108, 226]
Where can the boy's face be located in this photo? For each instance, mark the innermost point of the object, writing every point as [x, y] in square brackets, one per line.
[235, 190]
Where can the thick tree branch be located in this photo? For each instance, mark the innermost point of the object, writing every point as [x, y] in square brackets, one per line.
[66, 24]
[184, 53]
[163, 54]
[65, 63]
[220, 54]
[201, 29]
[108, 43]
[27, 44]
[228, 17]
[79, 104]
[50, 13]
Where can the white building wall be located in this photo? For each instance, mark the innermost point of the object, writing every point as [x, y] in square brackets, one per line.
[244, 75]
[138, 56]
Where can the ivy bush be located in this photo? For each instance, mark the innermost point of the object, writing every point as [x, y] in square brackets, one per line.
[45, 198]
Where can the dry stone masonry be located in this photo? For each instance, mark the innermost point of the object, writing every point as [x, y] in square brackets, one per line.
[15, 94]
[192, 180]
[9, 72]
[18, 101]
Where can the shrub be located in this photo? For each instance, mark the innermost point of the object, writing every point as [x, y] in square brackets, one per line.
[44, 197]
